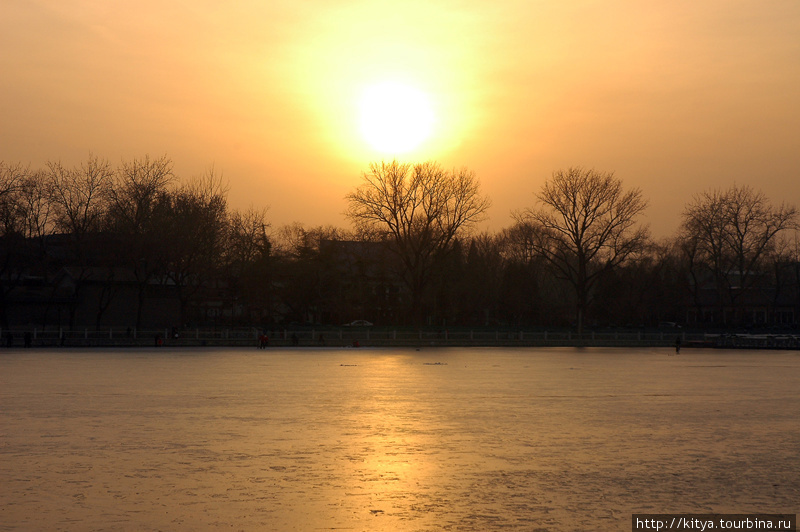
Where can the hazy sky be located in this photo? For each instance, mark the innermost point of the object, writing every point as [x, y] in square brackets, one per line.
[674, 97]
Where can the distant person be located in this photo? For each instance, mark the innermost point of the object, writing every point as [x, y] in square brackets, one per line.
[321, 339]
[677, 344]
[295, 339]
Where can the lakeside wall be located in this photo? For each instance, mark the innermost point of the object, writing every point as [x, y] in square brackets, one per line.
[390, 337]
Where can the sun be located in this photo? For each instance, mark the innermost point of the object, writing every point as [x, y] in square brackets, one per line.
[395, 118]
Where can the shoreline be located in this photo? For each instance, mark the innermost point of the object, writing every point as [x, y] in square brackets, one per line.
[394, 337]
[756, 343]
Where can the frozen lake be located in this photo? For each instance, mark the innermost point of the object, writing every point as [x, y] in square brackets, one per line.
[393, 439]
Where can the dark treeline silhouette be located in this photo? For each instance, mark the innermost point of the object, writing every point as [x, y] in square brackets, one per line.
[96, 246]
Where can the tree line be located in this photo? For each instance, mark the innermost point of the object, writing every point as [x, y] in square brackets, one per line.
[580, 256]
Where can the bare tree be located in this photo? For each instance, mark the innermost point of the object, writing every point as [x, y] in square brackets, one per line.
[194, 234]
[14, 256]
[247, 259]
[309, 268]
[79, 198]
[587, 226]
[519, 242]
[139, 187]
[247, 240]
[729, 234]
[80, 195]
[11, 179]
[37, 208]
[296, 240]
[138, 213]
[528, 291]
[419, 209]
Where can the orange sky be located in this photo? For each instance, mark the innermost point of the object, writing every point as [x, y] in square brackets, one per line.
[674, 97]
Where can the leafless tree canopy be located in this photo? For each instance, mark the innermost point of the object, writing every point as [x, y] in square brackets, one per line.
[418, 204]
[36, 208]
[11, 179]
[247, 238]
[419, 209]
[587, 225]
[730, 232]
[737, 225]
[589, 215]
[80, 195]
[139, 185]
[297, 240]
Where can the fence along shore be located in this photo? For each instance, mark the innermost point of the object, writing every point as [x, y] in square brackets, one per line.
[387, 337]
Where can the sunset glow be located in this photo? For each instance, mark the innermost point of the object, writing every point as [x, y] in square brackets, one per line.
[293, 100]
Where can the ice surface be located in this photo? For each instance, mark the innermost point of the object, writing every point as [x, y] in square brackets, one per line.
[392, 439]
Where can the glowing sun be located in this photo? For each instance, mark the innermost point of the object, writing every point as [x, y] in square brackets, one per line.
[395, 118]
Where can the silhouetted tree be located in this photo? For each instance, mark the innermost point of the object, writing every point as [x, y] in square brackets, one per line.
[418, 209]
[587, 227]
[12, 177]
[248, 259]
[79, 195]
[247, 240]
[644, 291]
[13, 252]
[480, 280]
[138, 213]
[312, 280]
[529, 292]
[194, 234]
[728, 234]
[79, 199]
[36, 207]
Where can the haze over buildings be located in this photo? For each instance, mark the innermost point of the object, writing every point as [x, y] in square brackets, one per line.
[674, 98]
